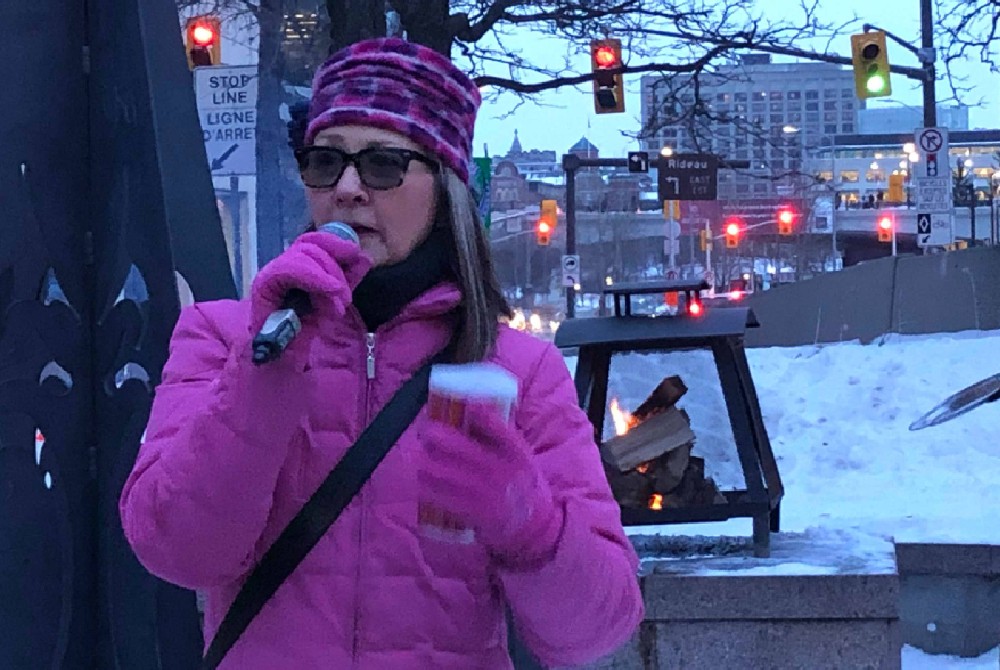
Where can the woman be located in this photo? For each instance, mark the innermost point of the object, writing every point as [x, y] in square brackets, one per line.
[233, 450]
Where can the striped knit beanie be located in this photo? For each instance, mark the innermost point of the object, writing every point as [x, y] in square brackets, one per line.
[397, 85]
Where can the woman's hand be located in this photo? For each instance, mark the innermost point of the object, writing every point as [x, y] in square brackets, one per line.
[482, 477]
[322, 265]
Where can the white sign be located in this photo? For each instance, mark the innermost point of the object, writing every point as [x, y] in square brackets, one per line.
[934, 229]
[227, 108]
[570, 270]
[933, 194]
[932, 140]
[931, 179]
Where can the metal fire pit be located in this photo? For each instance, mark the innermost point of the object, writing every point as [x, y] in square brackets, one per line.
[719, 330]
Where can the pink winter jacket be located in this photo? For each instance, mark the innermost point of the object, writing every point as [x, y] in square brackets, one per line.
[220, 475]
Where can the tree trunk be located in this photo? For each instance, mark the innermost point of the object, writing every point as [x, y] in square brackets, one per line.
[427, 22]
[354, 20]
[271, 134]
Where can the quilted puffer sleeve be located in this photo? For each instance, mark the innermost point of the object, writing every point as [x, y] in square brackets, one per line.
[586, 602]
[200, 492]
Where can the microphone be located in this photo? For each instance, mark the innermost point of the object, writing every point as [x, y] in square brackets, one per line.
[281, 327]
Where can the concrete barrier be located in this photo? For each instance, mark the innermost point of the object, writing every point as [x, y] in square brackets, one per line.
[947, 292]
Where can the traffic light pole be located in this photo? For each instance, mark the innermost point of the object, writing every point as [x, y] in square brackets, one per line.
[925, 54]
[571, 164]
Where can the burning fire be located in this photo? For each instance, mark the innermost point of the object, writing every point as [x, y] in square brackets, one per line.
[623, 420]
[656, 501]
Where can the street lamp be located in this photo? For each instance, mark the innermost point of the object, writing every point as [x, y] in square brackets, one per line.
[666, 151]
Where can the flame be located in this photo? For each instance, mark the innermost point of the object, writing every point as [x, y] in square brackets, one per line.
[656, 501]
[624, 421]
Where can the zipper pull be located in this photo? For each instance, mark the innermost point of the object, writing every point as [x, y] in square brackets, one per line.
[371, 355]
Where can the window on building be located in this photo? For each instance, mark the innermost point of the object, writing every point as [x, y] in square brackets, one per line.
[761, 95]
[742, 187]
[812, 117]
[740, 97]
[722, 97]
[761, 188]
[847, 128]
[830, 117]
[812, 95]
[830, 93]
[795, 95]
[830, 129]
[758, 107]
[824, 176]
[812, 106]
[777, 118]
[849, 176]
[847, 93]
[830, 104]
[874, 176]
[795, 117]
[776, 95]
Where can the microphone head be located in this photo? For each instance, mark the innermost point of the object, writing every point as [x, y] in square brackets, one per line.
[341, 230]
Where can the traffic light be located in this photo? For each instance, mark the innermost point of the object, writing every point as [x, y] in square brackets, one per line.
[203, 41]
[885, 226]
[547, 216]
[609, 91]
[895, 188]
[543, 232]
[733, 231]
[672, 209]
[871, 65]
[786, 220]
[706, 240]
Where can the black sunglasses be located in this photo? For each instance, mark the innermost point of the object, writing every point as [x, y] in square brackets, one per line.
[380, 168]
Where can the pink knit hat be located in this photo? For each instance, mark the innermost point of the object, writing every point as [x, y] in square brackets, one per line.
[398, 85]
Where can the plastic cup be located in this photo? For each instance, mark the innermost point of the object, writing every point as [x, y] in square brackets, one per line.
[453, 388]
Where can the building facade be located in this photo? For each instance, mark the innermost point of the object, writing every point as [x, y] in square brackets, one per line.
[771, 114]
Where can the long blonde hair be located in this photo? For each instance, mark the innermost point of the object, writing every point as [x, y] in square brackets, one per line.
[482, 300]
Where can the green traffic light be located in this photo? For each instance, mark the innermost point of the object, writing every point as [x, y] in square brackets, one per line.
[875, 83]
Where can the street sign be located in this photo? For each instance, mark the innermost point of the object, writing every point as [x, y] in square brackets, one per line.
[934, 229]
[570, 270]
[227, 108]
[933, 194]
[688, 177]
[932, 140]
[638, 161]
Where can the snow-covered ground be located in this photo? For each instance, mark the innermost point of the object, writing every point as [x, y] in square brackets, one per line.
[838, 419]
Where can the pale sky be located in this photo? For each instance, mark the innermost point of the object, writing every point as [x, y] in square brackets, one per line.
[562, 117]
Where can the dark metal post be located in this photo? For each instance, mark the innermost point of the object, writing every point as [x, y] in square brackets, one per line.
[570, 164]
[972, 214]
[927, 44]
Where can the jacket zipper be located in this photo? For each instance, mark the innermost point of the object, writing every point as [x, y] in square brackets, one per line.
[369, 376]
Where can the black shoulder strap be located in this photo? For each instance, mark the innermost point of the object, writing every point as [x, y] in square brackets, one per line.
[321, 510]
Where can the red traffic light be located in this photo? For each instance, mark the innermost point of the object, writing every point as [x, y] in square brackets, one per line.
[885, 222]
[605, 57]
[203, 35]
[786, 216]
[732, 229]
[544, 228]
[694, 307]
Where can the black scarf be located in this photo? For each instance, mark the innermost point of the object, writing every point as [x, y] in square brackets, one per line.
[386, 290]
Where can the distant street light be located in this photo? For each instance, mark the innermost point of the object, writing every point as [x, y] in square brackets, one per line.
[666, 152]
